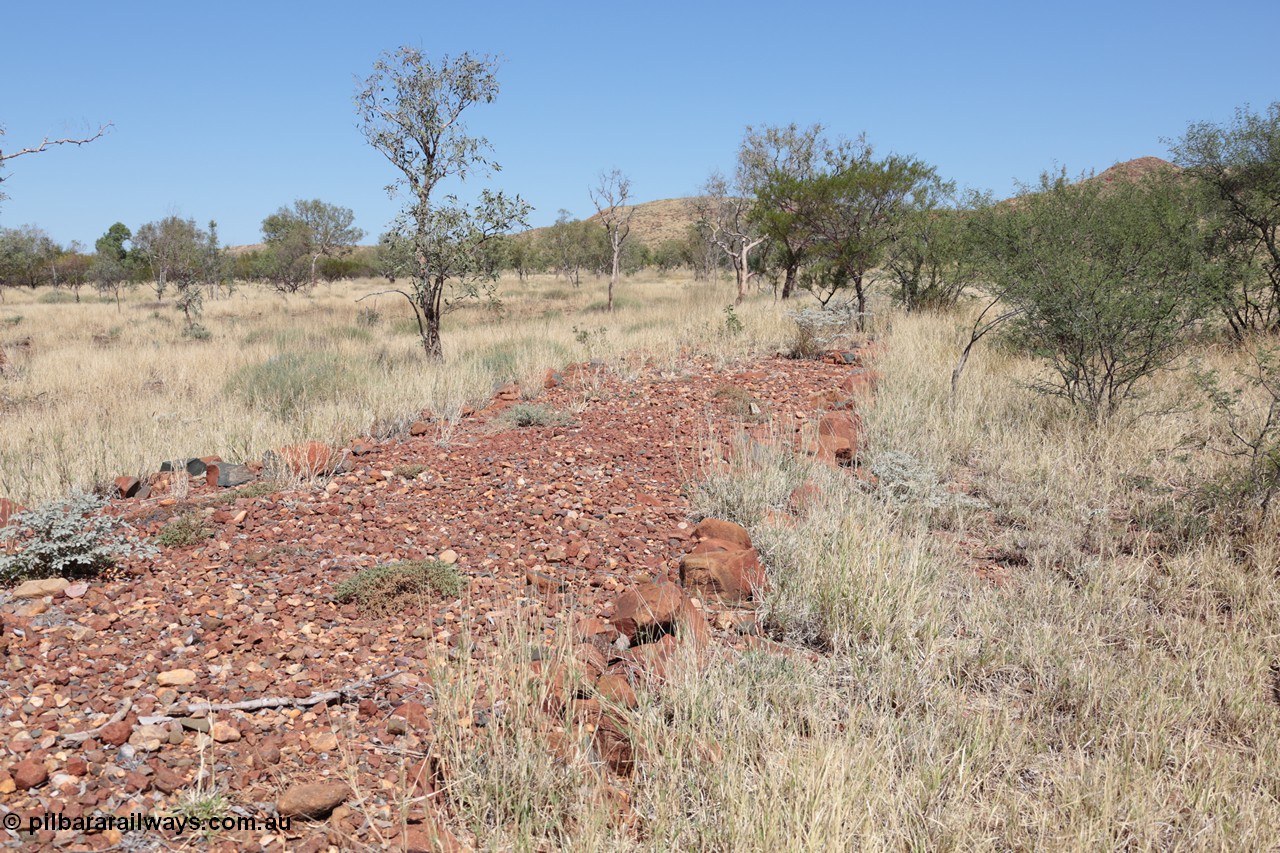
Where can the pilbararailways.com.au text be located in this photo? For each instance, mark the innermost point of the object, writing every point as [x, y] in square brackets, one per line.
[175, 824]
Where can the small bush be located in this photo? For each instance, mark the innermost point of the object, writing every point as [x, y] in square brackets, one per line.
[907, 484]
[68, 538]
[55, 297]
[368, 317]
[530, 415]
[196, 332]
[818, 329]
[287, 384]
[383, 589]
[408, 471]
[185, 530]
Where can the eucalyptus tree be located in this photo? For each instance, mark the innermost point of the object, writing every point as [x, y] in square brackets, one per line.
[411, 110]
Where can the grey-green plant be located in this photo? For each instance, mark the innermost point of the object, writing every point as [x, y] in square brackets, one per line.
[411, 111]
[68, 538]
[381, 589]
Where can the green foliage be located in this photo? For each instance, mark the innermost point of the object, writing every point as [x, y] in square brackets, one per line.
[1248, 406]
[384, 589]
[932, 262]
[410, 109]
[732, 323]
[296, 240]
[592, 340]
[68, 538]
[187, 529]
[1105, 278]
[1236, 168]
[531, 414]
[776, 164]
[287, 384]
[858, 208]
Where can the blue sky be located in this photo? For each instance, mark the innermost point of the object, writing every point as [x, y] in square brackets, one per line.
[228, 111]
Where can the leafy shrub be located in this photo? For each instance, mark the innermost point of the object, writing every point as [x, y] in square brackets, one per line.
[368, 317]
[383, 589]
[68, 538]
[1103, 279]
[530, 414]
[408, 471]
[185, 530]
[56, 297]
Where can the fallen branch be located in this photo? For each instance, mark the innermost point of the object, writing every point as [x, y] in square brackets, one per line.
[342, 694]
[81, 737]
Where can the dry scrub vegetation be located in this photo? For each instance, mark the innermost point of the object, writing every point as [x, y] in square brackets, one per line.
[1108, 681]
[91, 393]
[1111, 684]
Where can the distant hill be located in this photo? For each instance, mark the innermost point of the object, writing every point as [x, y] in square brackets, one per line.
[1134, 170]
[653, 221]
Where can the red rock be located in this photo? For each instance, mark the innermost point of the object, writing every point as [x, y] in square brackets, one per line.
[594, 626]
[167, 781]
[127, 487]
[419, 428]
[414, 713]
[613, 742]
[617, 690]
[360, 447]
[552, 379]
[29, 773]
[508, 393]
[708, 546]
[804, 498]
[731, 576]
[861, 383]
[313, 800]
[116, 733]
[648, 611]
[8, 509]
[714, 528]
[430, 836]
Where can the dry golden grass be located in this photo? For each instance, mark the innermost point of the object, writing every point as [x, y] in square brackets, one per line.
[92, 393]
[1116, 690]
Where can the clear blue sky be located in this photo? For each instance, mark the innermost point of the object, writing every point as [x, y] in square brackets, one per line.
[229, 110]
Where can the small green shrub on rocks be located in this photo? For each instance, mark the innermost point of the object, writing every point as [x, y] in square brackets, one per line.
[68, 538]
[528, 415]
[187, 529]
[382, 589]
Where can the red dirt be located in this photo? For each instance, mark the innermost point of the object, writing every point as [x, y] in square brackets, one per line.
[549, 524]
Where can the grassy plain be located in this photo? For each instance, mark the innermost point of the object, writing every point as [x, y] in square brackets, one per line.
[1039, 632]
[91, 392]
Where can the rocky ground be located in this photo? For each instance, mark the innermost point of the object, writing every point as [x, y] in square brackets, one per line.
[579, 526]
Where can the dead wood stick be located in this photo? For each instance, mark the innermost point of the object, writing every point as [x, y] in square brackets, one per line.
[81, 737]
[343, 693]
